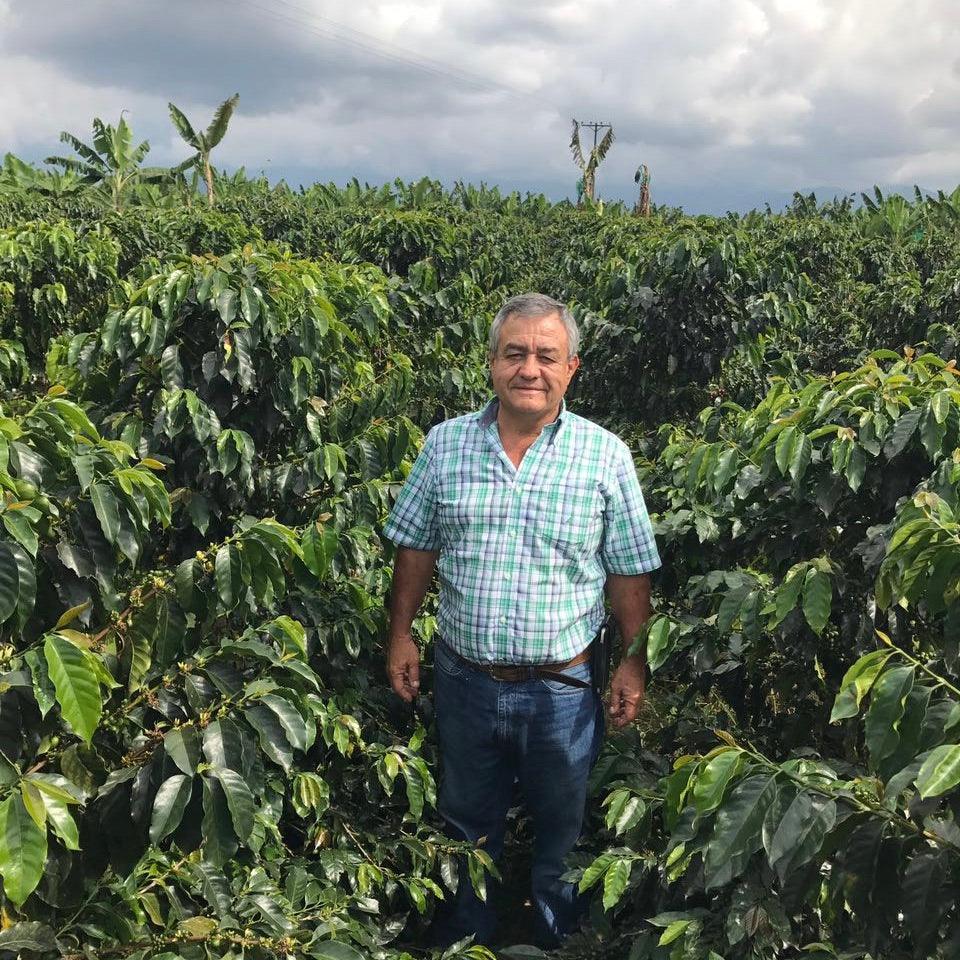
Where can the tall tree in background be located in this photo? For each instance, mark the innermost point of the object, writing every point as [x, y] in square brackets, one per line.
[642, 176]
[113, 162]
[588, 165]
[204, 142]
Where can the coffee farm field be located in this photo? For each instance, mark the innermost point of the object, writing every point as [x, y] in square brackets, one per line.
[205, 413]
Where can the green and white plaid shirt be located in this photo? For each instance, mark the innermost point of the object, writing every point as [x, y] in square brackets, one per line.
[524, 552]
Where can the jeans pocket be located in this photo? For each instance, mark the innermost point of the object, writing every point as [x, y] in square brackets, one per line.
[580, 672]
[446, 661]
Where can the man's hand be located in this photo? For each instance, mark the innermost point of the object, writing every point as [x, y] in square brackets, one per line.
[403, 667]
[626, 691]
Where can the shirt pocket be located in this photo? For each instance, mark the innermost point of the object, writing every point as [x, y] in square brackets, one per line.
[573, 533]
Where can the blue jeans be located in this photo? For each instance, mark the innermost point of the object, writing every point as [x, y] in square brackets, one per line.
[542, 733]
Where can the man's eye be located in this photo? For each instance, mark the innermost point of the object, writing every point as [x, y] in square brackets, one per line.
[547, 360]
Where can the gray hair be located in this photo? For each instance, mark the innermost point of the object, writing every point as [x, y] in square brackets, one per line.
[533, 305]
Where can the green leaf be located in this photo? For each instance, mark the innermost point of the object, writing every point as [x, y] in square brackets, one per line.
[60, 818]
[227, 568]
[661, 639]
[185, 585]
[249, 303]
[319, 547]
[290, 719]
[68, 616]
[107, 510]
[18, 526]
[615, 882]
[227, 305]
[903, 429]
[168, 806]
[140, 649]
[76, 684]
[800, 458]
[940, 771]
[219, 841]
[856, 468]
[712, 780]
[216, 889]
[43, 691]
[182, 746]
[940, 405]
[273, 739]
[786, 444]
[817, 599]
[728, 463]
[28, 935]
[801, 832]
[9, 582]
[239, 800]
[856, 684]
[787, 594]
[882, 723]
[23, 850]
[334, 950]
[673, 932]
[27, 585]
[730, 607]
[737, 829]
[222, 744]
[925, 897]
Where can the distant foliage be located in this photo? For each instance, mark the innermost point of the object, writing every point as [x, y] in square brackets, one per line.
[205, 416]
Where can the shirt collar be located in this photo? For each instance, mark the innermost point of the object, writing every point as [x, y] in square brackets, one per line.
[488, 416]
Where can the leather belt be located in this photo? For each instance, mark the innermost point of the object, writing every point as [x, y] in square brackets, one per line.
[516, 674]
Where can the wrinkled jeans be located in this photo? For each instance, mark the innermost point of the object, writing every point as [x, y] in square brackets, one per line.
[542, 733]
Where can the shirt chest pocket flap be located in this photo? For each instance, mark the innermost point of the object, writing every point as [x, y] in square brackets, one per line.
[571, 529]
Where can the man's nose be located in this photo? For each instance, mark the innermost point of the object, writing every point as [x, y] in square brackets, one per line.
[530, 367]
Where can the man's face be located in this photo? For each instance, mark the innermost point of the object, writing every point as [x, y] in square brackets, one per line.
[531, 370]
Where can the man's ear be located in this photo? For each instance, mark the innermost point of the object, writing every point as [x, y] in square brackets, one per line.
[574, 364]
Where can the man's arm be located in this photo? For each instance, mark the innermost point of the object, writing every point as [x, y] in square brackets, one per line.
[630, 600]
[412, 573]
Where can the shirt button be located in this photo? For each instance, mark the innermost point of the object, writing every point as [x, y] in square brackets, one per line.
[503, 619]
[513, 533]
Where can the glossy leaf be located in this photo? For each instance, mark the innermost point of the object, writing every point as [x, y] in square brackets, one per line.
[76, 684]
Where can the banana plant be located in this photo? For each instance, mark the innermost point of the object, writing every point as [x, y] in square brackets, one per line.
[642, 177]
[204, 142]
[113, 163]
[588, 165]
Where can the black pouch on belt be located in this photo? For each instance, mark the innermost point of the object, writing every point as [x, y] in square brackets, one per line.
[600, 654]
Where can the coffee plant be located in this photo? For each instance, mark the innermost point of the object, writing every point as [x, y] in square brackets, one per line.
[205, 416]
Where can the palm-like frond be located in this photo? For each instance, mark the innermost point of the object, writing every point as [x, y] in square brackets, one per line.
[183, 125]
[87, 171]
[103, 141]
[603, 146]
[185, 165]
[142, 150]
[575, 147]
[218, 125]
[88, 153]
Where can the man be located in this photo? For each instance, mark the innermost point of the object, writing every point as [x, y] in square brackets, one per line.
[527, 512]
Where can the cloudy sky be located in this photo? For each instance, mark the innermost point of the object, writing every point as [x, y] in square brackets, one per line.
[731, 103]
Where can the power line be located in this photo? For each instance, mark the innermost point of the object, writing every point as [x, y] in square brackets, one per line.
[386, 50]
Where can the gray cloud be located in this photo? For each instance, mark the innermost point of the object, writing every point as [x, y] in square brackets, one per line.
[731, 104]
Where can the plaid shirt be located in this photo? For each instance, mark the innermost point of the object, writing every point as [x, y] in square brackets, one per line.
[524, 552]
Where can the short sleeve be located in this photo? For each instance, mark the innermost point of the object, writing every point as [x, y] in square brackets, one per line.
[628, 546]
[413, 520]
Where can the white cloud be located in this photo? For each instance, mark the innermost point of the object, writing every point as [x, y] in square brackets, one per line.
[726, 100]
